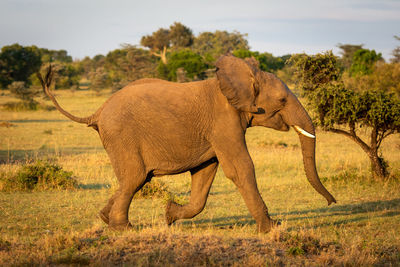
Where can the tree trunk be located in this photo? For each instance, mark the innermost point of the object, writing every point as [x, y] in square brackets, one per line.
[378, 166]
[164, 55]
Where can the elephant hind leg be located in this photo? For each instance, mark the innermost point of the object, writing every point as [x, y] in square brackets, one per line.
[132, 176]
[202, 178]
[104, 214]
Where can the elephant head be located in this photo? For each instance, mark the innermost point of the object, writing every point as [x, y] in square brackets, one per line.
[268, 102]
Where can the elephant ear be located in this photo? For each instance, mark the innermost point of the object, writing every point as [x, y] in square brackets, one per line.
[237, 82]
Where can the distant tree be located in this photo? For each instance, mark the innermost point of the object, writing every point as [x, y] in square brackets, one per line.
[21, 91]
[383, 77]
[364, 62]
[347, 53]
[99, 80]
[343, 111]
[130, 63]
[48, 55]
[266, 60]
[67, 75]
[192, 64]
[17, 63]
[211, 45]
[396, 52]
[178, 36]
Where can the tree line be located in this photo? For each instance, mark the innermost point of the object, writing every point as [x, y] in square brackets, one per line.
[356, 90]
[164, 54]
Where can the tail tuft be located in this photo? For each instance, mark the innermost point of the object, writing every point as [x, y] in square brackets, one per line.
[46, 82]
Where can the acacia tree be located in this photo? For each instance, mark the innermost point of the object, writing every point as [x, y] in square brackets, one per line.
[129, 63]
[178, 36]
[185, 60]
[347, 53]
[211, 45]
[344, 111]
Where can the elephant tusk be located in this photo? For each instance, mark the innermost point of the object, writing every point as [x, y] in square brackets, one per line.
[303, 132]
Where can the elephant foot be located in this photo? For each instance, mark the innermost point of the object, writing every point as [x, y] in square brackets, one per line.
[104, 216]
[170, 212]
[120, 226]
[266, 226]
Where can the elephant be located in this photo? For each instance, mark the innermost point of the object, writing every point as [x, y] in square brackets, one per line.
[154, 127]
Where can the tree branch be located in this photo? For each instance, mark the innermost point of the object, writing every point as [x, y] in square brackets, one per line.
[352, 135]
[383, 136]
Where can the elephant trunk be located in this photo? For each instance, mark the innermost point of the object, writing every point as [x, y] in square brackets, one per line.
[308, 150]
[301, 122]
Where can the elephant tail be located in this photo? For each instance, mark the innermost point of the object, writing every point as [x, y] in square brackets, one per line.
[46, 82]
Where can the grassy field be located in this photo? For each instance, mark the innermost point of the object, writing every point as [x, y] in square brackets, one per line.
[63, 227]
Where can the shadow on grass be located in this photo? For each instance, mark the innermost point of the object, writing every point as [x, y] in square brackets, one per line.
[94, 186]
[11, 156]
[342, 210]
[351, 209]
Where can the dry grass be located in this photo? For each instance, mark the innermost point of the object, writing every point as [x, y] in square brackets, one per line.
[62, 227]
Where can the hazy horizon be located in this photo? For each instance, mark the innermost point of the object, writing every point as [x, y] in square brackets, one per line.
[87, 28]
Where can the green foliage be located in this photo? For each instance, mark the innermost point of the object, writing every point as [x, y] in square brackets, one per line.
[177, 36]
[99, 79]
[211, 45]
[180, 35]
[347, 53]
[385, 77]
[21, 106]
[153, 189]
[18, 63]
[380, 110]
[334, 105]
[191, 62]
[129, 64]
[266, 60]
[21, 91]
[37, 176]
[364, 61]
[312, 72]
[67, 75]
[157, 40]
[55, 55]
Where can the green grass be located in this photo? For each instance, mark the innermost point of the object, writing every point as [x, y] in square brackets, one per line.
[63, 227]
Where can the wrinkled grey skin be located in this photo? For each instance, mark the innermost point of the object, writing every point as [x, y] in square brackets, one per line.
[153, 127]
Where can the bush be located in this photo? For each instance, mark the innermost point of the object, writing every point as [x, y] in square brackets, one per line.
[38, 176]
[21, 91]
[153, 189]
[158, 189]
[26, 106]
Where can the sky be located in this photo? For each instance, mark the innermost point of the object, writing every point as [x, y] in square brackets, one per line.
[91, 27]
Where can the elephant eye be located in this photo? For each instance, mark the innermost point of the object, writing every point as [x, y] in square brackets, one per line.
[283, 100]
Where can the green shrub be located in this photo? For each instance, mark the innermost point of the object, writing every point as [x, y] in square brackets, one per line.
[38, 176]
[26, 106]
[158, 189]
[153, 189]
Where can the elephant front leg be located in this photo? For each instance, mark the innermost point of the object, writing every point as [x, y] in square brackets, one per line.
[202, 178]
[238, 166]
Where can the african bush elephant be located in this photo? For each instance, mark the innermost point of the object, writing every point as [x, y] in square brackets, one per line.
[153, 127]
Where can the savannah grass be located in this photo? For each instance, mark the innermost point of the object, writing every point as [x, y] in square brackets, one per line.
[63, 227]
